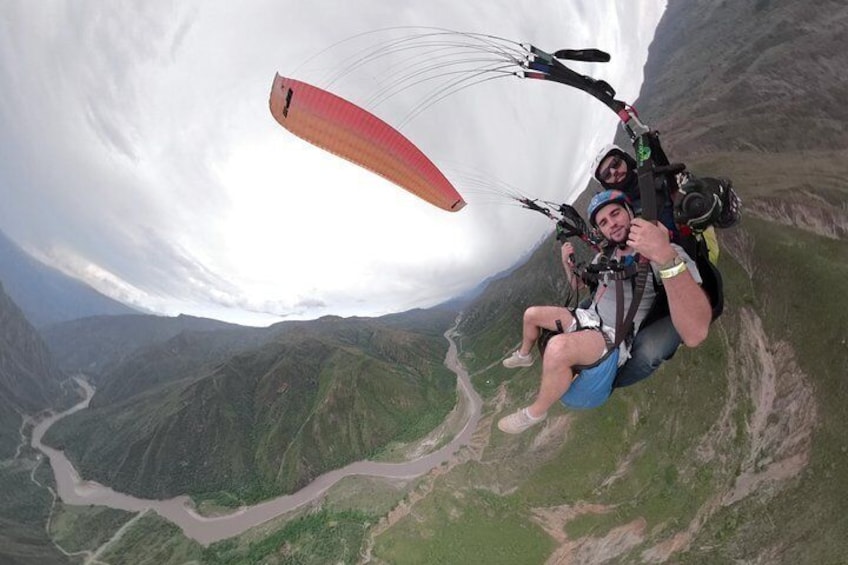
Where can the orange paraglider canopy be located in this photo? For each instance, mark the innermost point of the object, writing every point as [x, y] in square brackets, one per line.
[340, 127]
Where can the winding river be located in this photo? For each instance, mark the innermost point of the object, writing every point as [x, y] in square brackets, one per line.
[72, 489]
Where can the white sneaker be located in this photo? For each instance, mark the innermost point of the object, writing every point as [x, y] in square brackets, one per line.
[518, 421]
[518, 360]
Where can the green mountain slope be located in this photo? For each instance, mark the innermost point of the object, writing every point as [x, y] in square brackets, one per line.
[267, 420]
[95, 344]
[188, 353]
[759, 75]
[30, 381]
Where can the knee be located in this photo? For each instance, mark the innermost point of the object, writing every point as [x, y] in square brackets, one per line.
[650, 353]
[655, 344]
[533, 314]
[641, 363]
[559, 351]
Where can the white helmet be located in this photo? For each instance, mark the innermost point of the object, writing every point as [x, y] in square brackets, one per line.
[599, 158]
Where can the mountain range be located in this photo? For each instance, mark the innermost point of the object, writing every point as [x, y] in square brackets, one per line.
[733, 452]
[45, 294]
[30, 382]
[249, 413]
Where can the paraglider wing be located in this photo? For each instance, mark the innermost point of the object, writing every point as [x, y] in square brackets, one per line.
[342, 128]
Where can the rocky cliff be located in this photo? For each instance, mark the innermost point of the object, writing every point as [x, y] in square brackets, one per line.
[30, 381]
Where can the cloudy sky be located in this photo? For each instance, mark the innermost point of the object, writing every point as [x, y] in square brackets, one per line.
[137, 151]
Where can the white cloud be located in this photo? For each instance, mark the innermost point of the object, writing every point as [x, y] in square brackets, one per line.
[137, 150]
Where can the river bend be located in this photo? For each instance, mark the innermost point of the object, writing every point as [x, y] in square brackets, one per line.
[72, 489]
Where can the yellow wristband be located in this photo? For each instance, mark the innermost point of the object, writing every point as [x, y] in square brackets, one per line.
[672, 271]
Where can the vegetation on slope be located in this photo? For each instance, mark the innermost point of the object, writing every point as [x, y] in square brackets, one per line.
[266, 421]
[313, 539]
[729, 452]
[24, 510]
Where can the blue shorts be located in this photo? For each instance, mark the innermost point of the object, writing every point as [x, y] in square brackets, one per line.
[592, 386]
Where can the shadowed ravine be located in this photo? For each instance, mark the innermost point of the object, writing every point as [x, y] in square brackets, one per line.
[76, 491]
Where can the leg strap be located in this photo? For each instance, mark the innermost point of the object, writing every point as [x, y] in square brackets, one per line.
[610, 346]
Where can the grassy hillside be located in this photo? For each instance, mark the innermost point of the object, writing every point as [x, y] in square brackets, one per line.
[24, 510]
[729, 452]
[265, 421]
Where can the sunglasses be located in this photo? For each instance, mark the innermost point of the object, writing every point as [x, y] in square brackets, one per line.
[606, 174]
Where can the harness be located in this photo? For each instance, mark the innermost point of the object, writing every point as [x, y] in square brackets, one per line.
[616, 273]
[608, 271]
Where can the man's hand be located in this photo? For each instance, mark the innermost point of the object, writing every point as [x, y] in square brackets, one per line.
[568, 254]
[651, 241]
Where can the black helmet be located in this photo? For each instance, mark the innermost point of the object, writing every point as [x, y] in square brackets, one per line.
[707, 202]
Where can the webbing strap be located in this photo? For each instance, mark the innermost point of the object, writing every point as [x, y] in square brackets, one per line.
[553, 69]
[619, 312]
[648, 196]
[638, 291]
[611, 347]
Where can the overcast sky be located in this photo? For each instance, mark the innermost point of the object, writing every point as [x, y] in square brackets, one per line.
[137, 151]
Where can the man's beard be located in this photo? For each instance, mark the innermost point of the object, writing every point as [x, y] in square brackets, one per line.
[624, 237]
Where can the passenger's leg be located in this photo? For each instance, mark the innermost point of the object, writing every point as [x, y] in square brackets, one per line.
[537, 318]
[563, 352]
[652, 346]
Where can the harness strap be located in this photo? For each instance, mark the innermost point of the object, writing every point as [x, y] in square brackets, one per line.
[638, 292]
[611, 347]
[619, 311]
[593, 274]
[647, 174]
